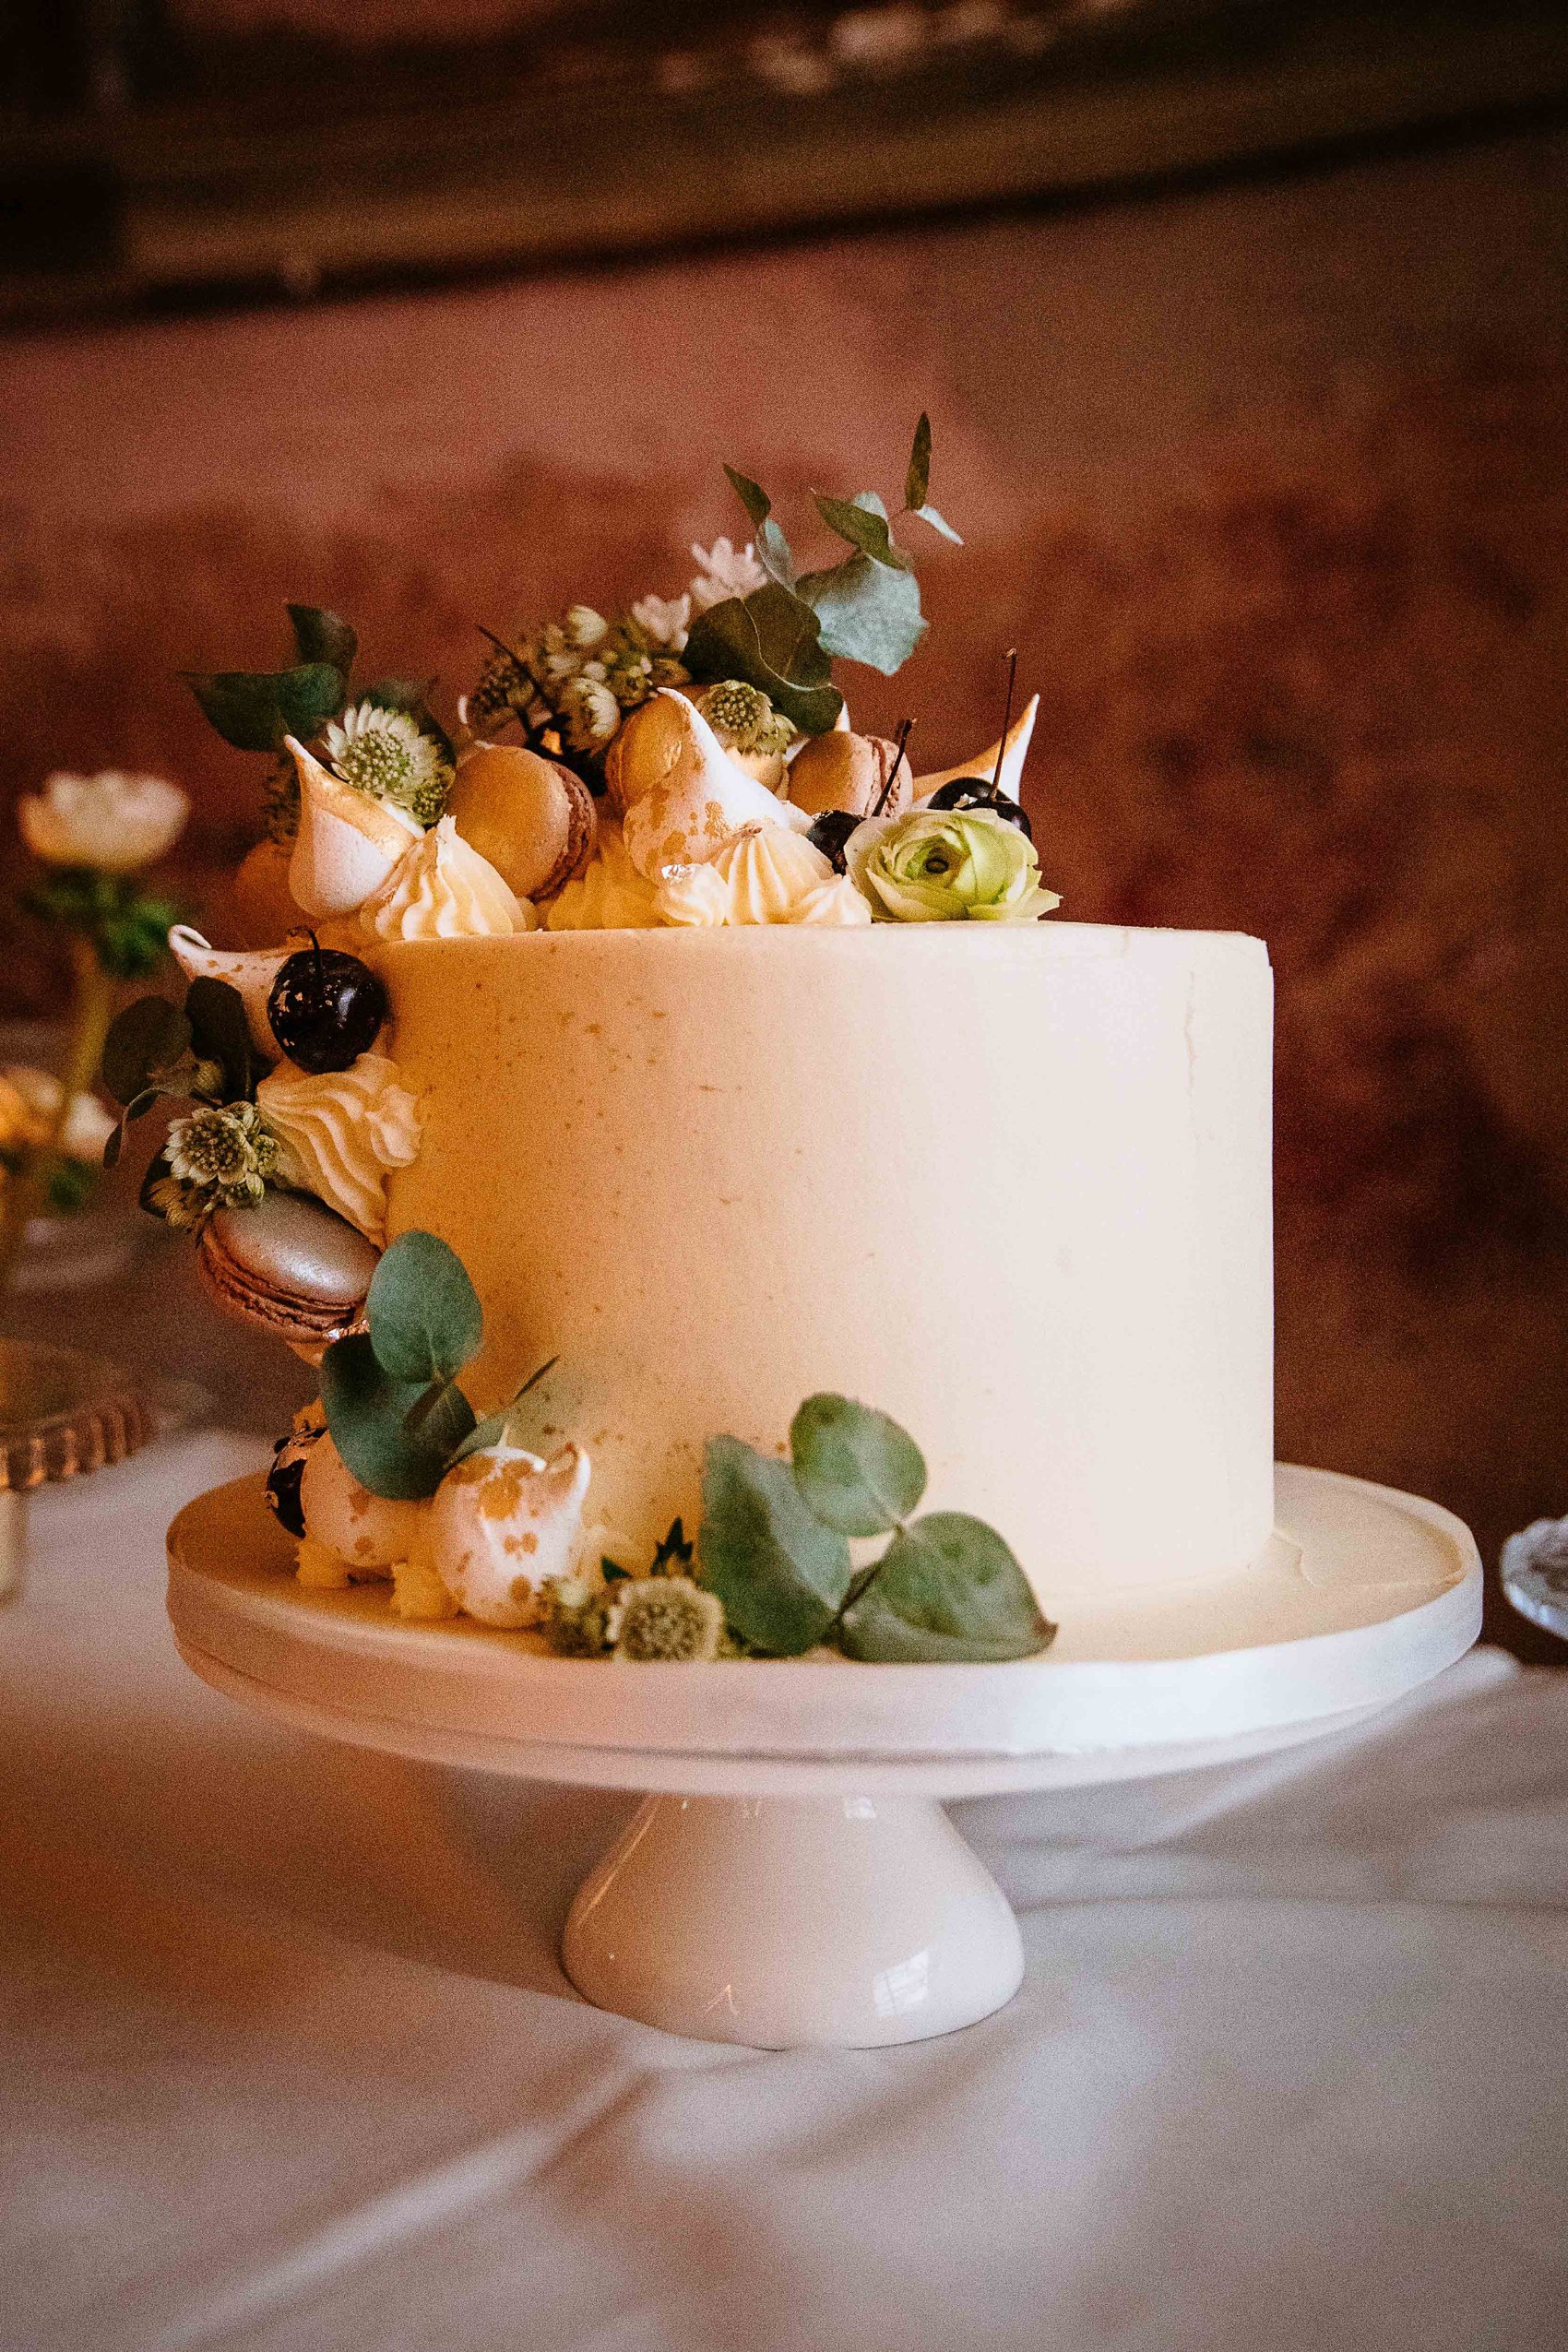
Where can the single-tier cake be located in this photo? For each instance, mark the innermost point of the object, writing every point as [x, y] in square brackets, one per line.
[708, 1087]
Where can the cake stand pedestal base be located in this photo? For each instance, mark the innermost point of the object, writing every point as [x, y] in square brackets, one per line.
[789, 1922]
[791, 1880]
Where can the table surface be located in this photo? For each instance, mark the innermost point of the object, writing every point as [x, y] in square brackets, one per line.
[288, 2064]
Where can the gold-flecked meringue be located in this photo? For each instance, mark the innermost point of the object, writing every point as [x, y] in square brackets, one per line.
[683, 795]
[759, 877]
[252, 971]
[365, 1531]
[347, 843]
[608, 894]
[983, 764]
[502, 1524]
[444, 889]
[341, 1133]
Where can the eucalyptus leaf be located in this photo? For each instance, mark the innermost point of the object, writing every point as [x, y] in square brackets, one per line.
[424, 1315]
[157, 1168]
[399, 694]
[490, 1431]
[145, 1038]
[220, 1033]
[948, 1592]
[917, 482]
[494, 1426]
[367, 1412]
[255, 709]
[862, 522]
[866, 612]
[442, 1418]
[770, 639]
[772, 549]
[324, 636]
[858, 1470]
[780, 1574]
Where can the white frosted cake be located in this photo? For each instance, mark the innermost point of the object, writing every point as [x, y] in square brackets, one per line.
[1012, 1182]
[721, 1100]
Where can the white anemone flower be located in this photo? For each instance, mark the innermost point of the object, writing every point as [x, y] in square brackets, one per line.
[112, 822]
[724, 570]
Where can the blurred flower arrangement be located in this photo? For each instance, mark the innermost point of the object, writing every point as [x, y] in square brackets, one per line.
[92, 836]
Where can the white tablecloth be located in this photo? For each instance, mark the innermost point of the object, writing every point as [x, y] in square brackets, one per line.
[288, 2061]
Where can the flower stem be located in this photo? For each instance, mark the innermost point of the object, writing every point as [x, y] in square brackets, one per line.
[92, 1008]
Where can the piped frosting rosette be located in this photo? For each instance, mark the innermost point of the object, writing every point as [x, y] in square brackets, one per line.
[444, 889]
[341, 1133]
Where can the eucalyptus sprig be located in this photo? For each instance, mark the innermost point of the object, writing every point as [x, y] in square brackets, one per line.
[393, 1406]
[774, 1546]
[784, 636]
[255, 709]
[201, 1053]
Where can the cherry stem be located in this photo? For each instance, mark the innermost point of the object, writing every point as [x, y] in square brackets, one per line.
[1011, 658]
[905, 725]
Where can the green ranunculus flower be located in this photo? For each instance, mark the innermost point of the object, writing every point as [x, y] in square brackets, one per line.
[948, 865]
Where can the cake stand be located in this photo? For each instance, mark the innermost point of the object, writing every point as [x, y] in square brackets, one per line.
[792, 1878]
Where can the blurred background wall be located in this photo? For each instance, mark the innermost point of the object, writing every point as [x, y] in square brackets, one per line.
[1262, 469]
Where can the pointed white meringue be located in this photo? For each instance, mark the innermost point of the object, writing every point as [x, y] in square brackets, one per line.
[683, 795]
[250, 969]
[983, 764]
[502, 1524]
[347, 843]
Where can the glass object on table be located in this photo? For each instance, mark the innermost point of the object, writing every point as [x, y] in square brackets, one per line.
[63, 1414]
[1535, 1573]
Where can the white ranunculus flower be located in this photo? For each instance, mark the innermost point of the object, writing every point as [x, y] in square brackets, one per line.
[724, 570]
[113, 822]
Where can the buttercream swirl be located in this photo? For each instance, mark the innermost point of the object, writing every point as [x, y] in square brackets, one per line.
[608, 894]
[692, 897]
[836, 905]
[340, 1132]
[444, 889]
[759, 877]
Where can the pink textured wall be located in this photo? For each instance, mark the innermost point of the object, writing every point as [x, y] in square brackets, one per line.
[1268, 486]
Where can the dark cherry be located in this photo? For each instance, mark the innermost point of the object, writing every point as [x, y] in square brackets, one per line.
[831, 832]
[325, 1008]
[283, 1478]
[974, 792]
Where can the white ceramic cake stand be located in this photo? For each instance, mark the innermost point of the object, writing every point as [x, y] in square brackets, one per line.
[792, 1878]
